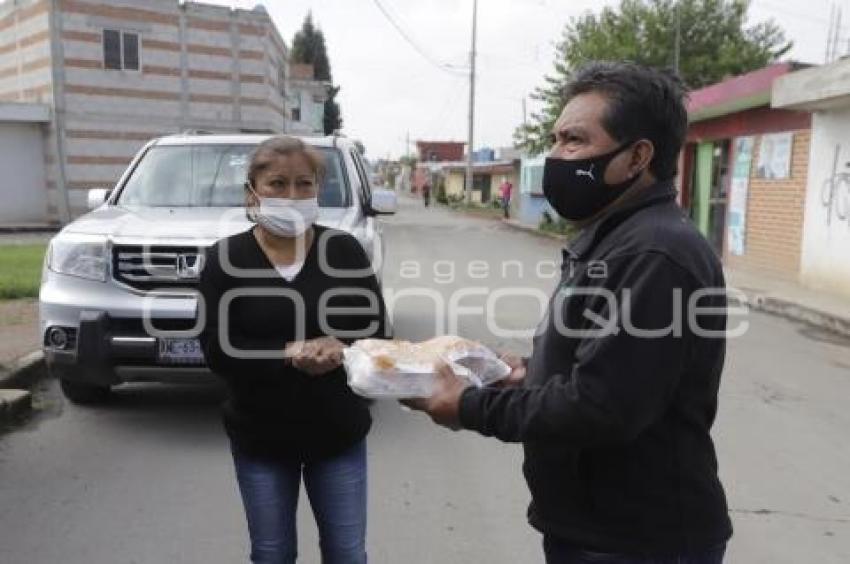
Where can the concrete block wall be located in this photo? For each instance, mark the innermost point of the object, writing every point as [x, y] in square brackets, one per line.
[826, 230]
[775, 209]
[25, 62]
[201, 67]
[109, 114]
[276, 65]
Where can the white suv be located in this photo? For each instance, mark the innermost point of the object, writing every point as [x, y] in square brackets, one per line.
[120, 277]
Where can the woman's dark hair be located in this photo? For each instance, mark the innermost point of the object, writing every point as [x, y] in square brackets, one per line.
[280, 145]
[643, 103]
[283, 145]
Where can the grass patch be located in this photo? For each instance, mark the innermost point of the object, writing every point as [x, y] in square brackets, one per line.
[20, 270]
[557, 225]
[486, 210]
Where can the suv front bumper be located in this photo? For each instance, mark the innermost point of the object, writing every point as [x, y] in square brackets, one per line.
[107, 342]
[107, 354]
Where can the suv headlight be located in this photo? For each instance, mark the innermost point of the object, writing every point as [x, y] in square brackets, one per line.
[78, 255]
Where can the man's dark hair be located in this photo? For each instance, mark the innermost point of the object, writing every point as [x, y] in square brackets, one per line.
[643, 103]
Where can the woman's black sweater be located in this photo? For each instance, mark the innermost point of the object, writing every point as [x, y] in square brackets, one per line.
[273, 409]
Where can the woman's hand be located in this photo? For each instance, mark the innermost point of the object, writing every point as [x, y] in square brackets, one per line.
[517, 374]
[316, 356]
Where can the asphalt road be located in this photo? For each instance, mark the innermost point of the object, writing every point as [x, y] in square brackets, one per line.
[148, 478]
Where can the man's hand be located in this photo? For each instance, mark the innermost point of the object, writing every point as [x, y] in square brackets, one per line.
[517, 374]
[444, 404]
[315, 356]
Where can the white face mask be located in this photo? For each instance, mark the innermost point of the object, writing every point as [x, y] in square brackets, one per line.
[286, 217]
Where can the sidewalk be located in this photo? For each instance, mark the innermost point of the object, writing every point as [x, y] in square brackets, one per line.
[792, 300]
[20, 356]
[771, 295]
[18, 329]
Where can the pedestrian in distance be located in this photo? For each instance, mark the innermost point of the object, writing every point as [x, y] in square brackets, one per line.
[615, 405]
[505, 192]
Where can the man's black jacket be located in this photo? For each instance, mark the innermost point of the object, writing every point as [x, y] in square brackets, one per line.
[621, 389]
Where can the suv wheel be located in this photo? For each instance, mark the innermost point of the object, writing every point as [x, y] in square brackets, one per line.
[84, 394]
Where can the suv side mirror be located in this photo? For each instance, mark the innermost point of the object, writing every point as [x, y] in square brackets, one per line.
[383, 202]
[97, 196]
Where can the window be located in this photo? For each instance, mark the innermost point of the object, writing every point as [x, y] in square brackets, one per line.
[111, 49]
[131, 51]
[213, 176]
[296, 114]
[120, 50]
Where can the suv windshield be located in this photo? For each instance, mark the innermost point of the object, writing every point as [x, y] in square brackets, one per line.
[212, 176]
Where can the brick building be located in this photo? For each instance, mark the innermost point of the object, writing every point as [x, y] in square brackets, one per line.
[744, 170]
[111, 74]
[440, 151]
[433, 152]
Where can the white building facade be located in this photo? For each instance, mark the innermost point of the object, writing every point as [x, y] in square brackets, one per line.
[825, 91]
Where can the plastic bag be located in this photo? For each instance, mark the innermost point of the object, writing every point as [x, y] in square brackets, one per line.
[402, 370]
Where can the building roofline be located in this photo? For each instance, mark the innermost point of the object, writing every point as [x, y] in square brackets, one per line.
[461, 165]
[739, 93]
[816, 88]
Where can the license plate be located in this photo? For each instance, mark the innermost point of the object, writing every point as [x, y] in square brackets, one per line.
[181, 351]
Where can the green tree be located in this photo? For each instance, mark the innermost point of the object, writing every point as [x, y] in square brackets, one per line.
[308, 47]
[715, 42]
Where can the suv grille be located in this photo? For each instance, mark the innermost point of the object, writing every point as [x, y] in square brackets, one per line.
[152, 266]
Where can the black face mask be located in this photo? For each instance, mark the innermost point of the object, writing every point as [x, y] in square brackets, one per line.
[576, 188]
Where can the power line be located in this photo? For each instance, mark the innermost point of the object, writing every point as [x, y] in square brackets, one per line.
[780, 9]
[445, 67]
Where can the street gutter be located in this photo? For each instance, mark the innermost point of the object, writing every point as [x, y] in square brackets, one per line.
[15, 381]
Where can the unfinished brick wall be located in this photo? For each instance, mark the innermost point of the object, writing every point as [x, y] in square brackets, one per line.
[774, 230]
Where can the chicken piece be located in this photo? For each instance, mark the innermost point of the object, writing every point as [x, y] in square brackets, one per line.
[387, 355]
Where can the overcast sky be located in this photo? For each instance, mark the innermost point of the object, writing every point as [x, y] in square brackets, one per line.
[389, 89]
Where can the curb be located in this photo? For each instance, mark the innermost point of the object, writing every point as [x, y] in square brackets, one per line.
[512, 223]
[474, 214]
[15, 400]
[757, 301]
[797, 312]
[14, 404]
[534, 230]
[23, 371]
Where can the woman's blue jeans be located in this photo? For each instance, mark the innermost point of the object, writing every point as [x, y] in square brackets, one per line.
[336, 488]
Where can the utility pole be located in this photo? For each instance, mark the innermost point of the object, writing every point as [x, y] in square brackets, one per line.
[470, 138]
[829, 34]
[676, 47]
[834, 54]
[524, 113]
[407, 162]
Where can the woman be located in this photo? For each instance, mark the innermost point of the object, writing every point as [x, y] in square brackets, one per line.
[274, 331]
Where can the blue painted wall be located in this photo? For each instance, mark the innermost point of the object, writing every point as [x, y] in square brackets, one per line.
[531, 200]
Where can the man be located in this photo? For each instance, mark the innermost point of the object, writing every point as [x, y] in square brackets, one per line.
[505, 190]
[615, 404]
